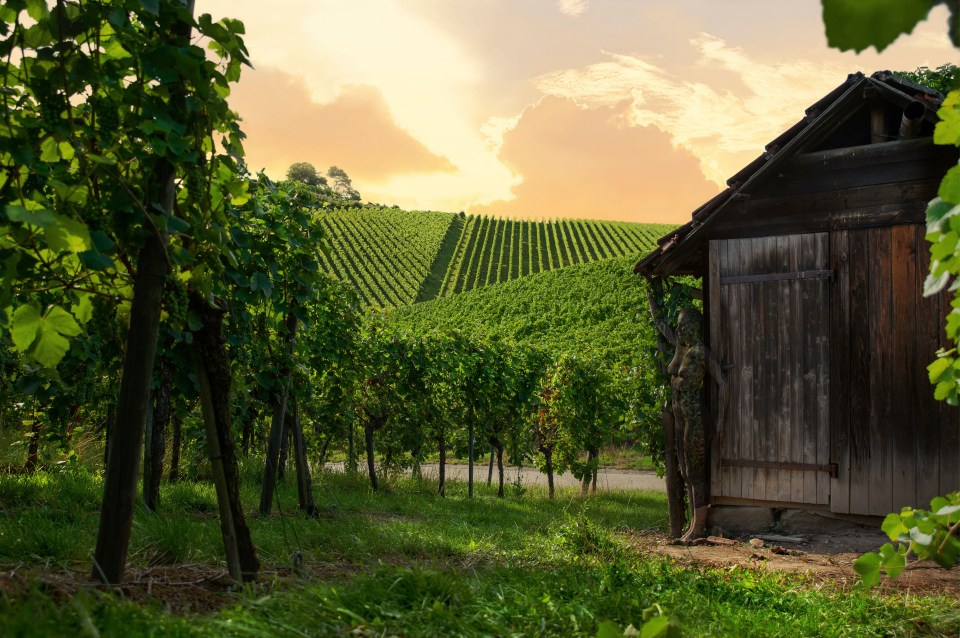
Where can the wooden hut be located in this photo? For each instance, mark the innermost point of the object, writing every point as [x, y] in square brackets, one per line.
[812, 262]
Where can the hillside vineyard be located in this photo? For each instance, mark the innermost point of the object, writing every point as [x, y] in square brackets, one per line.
[395, 258]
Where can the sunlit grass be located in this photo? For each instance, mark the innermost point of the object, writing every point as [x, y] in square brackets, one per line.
[405, 561]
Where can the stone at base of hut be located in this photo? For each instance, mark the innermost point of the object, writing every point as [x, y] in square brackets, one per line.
[716, 540]
[741, 519]
[778, 538]
[756, 543]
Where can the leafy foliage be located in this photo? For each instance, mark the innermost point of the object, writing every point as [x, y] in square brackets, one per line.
[943, 78]
[87, 114]
[927, 535]
[590, 311]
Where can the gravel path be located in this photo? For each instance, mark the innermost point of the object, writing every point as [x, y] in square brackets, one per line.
[607, 479]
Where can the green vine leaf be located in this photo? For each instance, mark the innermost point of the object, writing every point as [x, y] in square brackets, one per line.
[39, 217]
[868, 566]
[44, 338]
[857, 25]
[67, 235]
[609, 629]
[947, 130]
[950, 186]
[894, 560]
[49, 150]
[25, 324]
[936, 371]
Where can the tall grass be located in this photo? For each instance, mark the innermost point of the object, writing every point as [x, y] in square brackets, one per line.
[406, 562]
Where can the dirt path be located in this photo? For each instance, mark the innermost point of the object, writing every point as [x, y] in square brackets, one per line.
[823, 557]
[607, 479]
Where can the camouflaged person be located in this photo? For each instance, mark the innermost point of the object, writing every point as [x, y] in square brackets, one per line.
[692, 361]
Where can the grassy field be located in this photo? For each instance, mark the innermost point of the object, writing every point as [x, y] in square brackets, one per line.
[404, 562]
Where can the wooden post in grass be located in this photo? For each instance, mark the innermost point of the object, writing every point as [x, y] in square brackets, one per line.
[372, 424]
[155, 444]
[176, 443]
[442, 446]
[499, 451]
[470, 462]
[304, 484]
[548, 467]
[279, 397]
[490, 468]
[213, 375]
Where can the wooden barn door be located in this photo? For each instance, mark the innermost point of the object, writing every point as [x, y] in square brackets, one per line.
[894, 443]
[769, 310]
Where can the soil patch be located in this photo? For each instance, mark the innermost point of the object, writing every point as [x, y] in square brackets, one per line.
[826, 558]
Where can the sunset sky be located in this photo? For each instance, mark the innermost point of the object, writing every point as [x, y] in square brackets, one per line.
[635, 110]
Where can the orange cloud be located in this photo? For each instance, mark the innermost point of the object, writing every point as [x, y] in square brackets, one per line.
[355, 132]
[591, 163]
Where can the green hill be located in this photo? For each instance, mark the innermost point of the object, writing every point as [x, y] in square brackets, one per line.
[494, 250]
[386, 253]
[584, 308]
[396, 258]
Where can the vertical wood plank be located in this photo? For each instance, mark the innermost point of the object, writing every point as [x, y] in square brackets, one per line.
[783, 394]
[809, 357]
[823, 370]
[840, 381]
[927, 424]
[717, 307]
[743, 443]
[757, 432]
[797, 420]
[904, 380]
[859, 373]
[881, 307]
[771, 390]
[732, 479]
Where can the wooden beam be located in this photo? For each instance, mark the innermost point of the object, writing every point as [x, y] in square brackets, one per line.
[778, 276]
[830, 468]
[878, 122]
[909, 150]
[818, 221]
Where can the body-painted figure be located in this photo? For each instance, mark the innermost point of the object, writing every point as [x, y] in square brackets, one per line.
[691, 363]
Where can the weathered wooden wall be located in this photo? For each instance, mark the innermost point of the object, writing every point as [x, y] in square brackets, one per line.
[769, 312]
[894, 444]
[829, 336]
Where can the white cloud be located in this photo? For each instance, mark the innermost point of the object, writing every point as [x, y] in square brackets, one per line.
[572, 8]
[426, 76]
[724, 124]
[496, 127]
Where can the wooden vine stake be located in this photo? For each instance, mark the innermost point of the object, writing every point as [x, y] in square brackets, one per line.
[213, 374]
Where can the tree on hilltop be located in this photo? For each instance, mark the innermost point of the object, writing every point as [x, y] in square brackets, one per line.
[306, 173]
[342, 184]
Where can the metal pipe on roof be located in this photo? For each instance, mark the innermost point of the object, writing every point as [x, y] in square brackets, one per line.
[912, 120]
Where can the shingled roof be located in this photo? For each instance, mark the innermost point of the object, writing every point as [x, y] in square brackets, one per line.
[819, 121]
